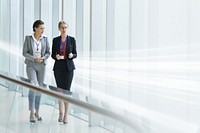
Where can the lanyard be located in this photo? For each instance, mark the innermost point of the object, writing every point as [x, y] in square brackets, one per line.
[63, 45]
[37, 42]
[37, 45]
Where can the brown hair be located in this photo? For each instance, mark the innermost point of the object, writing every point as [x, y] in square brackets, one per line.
[62, 22]
[37, 23]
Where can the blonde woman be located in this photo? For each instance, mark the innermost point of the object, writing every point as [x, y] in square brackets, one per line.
[63, 52]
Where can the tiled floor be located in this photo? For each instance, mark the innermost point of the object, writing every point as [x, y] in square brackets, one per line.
[14, 118]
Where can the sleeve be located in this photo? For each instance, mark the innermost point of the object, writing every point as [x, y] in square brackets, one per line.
[53, 53]
[74, 52]
[26, 50]
[47, 51]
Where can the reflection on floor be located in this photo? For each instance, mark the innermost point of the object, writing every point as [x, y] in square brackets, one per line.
[14, 117]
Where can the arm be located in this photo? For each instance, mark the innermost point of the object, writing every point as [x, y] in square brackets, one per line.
[47, 51]
[53, 53]
[26, 53]
[74, 52]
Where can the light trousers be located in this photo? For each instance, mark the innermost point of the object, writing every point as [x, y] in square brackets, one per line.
[35, 72]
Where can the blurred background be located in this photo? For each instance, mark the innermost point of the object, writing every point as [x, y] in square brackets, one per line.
[143, 53]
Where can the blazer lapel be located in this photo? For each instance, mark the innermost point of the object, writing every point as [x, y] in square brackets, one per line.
[42, 46]
[69, 45]
[58, 44]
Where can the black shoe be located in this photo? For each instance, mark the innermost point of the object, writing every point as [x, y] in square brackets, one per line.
[38, 118]
[60, 120]
[65, 122]
[32, 120]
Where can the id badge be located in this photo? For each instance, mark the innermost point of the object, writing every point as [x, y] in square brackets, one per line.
[38, 54]
[62, 57]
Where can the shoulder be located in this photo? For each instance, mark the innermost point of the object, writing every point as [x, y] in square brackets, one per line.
[28, 37]
[71, 37]
[44, 37]
[56, 38]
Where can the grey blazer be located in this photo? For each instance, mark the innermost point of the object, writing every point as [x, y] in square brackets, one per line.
[28, 49]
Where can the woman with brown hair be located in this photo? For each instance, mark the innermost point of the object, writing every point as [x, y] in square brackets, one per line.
[36, 52]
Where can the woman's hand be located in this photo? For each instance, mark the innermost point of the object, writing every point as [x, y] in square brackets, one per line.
[70, 55]
[58, 57]
[38, 60]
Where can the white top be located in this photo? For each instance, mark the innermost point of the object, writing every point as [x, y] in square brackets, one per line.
[37, 47]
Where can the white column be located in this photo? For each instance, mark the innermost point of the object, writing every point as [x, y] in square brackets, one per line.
[46, 16]
[98, 49]
[5, 36]
[110, 26]
[79, 25]
[28, 16]
[121, 25]
[56, 16]
[139, 24]
[0, 21]
[69, 15]
[98, 25]
[15, 51]
[86, 26]
[37, 9]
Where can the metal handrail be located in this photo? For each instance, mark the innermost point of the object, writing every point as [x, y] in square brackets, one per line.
[69, 99]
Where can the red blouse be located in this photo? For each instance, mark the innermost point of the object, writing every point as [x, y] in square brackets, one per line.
[63, 51]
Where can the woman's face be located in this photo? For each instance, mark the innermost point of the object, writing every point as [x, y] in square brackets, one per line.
[63, 29]
[40, 30]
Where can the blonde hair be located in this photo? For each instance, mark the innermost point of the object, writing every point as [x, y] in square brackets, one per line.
[62, 22]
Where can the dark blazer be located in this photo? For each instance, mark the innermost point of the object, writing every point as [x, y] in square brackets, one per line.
[71, 48]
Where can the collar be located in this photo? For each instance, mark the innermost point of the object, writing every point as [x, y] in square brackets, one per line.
[39, 38]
